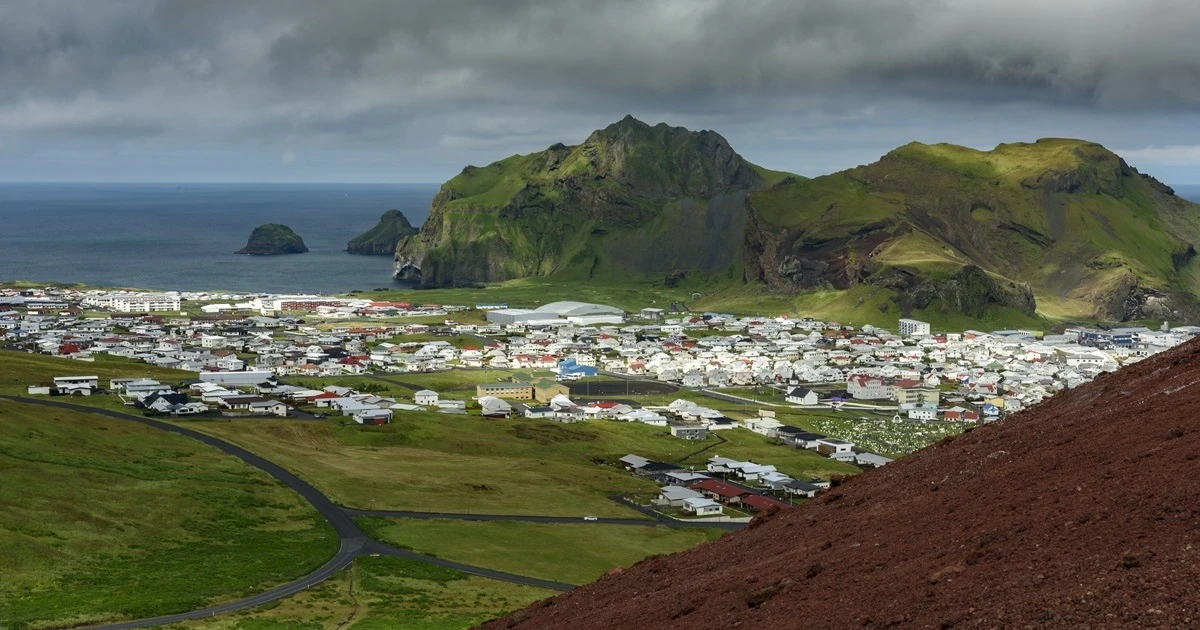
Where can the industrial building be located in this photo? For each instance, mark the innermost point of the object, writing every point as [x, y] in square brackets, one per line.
[135, 302]
[248, 377]
[581, 313]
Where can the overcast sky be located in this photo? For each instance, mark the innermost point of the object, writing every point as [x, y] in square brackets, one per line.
[411, 91]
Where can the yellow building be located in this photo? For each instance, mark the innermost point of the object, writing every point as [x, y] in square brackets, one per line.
[546, 389]
[515, 390]
[918, 396]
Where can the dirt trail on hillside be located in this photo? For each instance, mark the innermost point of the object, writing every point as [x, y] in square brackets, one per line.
[1082, 512]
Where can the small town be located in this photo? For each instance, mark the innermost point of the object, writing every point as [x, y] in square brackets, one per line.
[882, 393]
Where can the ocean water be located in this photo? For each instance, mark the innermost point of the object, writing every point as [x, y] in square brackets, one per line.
[168, 236]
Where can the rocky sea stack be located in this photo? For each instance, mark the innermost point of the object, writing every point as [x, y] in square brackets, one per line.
[381, 240]
[273, 238]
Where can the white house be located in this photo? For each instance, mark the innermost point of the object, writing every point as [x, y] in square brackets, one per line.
[922, 413]
[76, 383]
[801, 396]
[426, 397]
[864, 387]
[674, 496]
[702, 506]
[834, 447]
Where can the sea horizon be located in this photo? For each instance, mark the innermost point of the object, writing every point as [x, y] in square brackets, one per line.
[181, 236]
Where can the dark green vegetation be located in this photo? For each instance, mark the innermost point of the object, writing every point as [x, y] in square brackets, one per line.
[382, 594]
[381, 240]
[959, 230]
[102, 520]
[575, 554]
[1025, 233]
[631, 198]
[273, 238]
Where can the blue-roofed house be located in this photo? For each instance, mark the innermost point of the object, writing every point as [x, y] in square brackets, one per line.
[571, 367]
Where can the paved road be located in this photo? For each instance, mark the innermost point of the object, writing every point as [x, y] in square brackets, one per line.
[656, 521]
[354, 543]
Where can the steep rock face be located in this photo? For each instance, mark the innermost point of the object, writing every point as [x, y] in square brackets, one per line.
[1068, 218]
[970, 291]
[381, 240]
[632, 198]
[1080, 512]
[271, 239]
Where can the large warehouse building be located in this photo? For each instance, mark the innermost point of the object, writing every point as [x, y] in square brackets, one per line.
[581, 313]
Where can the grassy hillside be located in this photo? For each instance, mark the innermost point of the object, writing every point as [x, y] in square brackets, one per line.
[380, 594]
[1089, 235]
[574, 554]
[18, 370]
[630, 199]
[436, 462]
[102, 520]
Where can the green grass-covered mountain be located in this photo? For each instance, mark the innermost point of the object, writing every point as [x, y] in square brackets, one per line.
[1064, 221]
[1058, 228]
[381, 240]
[631, 199]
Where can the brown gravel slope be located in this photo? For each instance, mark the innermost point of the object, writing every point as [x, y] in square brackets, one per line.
[1082, 512]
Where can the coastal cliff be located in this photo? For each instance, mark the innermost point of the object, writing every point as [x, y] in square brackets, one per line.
[382, 239]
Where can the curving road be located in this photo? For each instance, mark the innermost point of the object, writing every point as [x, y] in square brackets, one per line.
[354, 542]
[657, 520]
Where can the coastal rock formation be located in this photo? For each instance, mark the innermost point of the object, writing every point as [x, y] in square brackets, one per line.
[273, 238]
[381, 240]
[1077, 513]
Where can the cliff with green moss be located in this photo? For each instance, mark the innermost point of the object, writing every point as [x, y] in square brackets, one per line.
[1064, 222]
[381, 240]
[632, 198]
[271, 239]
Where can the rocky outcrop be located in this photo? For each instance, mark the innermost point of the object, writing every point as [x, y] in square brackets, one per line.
[382, 239]
[970, 291]
[271, 239]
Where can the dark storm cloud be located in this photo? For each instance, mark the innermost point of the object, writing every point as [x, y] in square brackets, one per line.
[511, 73]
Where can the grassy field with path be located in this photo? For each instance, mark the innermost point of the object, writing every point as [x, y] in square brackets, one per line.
[384, 594]
[575, 554]
[102, 520]
[436, 462]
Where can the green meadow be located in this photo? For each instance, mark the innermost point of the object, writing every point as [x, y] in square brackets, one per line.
[563, 552]
[437, 462]
[103, 520]
[382, 593]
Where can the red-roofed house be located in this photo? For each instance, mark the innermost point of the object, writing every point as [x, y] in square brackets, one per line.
[719, 491]
[759, 503]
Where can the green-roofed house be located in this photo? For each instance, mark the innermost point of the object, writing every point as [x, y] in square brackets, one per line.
[546, 389]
